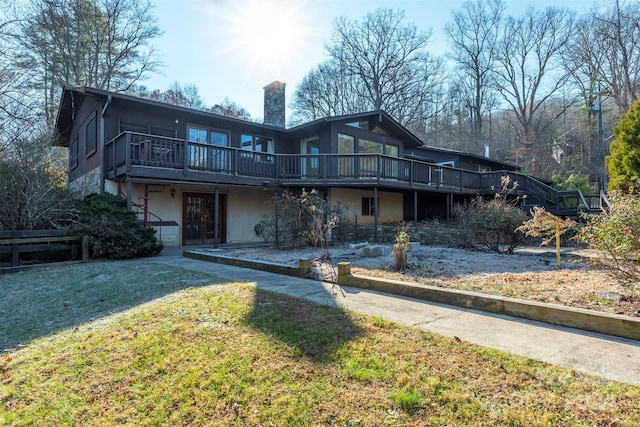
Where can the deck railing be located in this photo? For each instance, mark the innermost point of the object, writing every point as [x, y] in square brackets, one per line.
[131, 149]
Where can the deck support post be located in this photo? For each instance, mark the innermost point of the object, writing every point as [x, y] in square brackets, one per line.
[216, 218]
[375, 211]
[415, 207]
[275, 216]
[129, 195]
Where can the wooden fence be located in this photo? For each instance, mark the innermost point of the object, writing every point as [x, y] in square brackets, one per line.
[19, 242]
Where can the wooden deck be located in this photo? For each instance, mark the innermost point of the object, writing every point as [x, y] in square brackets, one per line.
[139, 157]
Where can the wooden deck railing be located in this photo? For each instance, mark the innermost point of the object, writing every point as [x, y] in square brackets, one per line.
[131, 150]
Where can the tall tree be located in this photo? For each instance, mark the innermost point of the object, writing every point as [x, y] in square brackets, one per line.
[529, 74]
[184, 96]
[473, 37]
[619, 31]
[325, 91]
[17, 111]
[385, 64]
[623, 163]
[99, 43]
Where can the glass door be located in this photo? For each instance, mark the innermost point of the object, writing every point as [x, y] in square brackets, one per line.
[311, 159]
[198, 219]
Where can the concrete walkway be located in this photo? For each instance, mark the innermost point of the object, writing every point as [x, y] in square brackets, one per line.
[609, 357]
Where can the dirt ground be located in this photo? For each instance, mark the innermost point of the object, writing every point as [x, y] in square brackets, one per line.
[529, 274]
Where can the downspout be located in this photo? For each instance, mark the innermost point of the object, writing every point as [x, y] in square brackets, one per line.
[102, 144]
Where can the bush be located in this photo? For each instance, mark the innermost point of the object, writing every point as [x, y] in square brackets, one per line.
[114, 232]
[617, 235]
[491, 224]
[400, 249]
[302, 219]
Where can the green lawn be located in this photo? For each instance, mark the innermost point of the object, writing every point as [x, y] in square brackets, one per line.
[171, 347]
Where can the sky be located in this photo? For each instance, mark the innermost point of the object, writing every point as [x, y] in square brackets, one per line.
[233, 48]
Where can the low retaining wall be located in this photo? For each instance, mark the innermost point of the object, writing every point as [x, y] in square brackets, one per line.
[588, 320]
[303, 268]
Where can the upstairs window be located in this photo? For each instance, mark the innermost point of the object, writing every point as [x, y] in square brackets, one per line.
[260, 144]
[197, 134]
[73, 153]
[91, 137]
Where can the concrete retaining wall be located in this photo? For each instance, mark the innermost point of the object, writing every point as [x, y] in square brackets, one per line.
[303, 268]
[588, 320]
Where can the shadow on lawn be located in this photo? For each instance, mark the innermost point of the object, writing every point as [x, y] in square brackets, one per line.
[312, 330]
[41, 302]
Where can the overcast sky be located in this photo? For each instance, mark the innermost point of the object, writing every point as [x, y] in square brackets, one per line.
[233, 48]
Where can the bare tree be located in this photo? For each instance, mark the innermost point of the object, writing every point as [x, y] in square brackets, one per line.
[231, 109]
[529, 74]
[473, 36]
[186, 96]
[618, 30]
[17, 111]
[33, 193]
[99, 43]
[327, 91]
[382, 63]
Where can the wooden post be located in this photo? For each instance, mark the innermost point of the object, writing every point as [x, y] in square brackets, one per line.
[85, 248]
[15, 249]
[275, 215]
[216, 219]
[375, 209]
[558, 245]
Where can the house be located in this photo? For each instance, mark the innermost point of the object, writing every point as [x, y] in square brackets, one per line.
[201, 177]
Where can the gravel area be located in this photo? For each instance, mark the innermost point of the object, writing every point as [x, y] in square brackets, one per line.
[529, 273]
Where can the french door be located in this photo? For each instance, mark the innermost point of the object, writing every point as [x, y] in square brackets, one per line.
[199, 216]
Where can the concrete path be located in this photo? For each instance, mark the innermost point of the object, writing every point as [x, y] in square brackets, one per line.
[609, 357]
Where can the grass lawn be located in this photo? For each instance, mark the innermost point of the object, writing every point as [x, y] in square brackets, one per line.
[125, 343]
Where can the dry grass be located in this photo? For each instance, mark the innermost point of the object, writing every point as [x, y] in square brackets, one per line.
[232, 355]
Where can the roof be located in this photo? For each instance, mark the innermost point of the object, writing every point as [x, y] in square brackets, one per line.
[72, 96]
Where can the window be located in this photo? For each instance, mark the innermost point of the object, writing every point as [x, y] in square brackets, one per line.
[197, 134]
[219, 157]
[246, 142]
[346, 145]
[369, 147]
[368, 206]
[264, 145]
[91, 137]
[197, 153]
[206, 156]
[391, 150]
[260, 144]
[73, 153]
[220, 138]
[310, 148]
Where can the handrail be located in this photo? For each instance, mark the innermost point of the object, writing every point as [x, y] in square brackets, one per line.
[604, 201]
[133, 149]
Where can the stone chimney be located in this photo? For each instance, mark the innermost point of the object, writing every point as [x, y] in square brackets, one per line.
[274, 104]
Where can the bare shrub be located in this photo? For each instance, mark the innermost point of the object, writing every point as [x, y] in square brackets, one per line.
[490, 224]
[400, 249]
[616, 234]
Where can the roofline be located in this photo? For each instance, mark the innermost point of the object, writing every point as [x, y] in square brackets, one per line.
[464, 153]
[132, 98]
[343, 117]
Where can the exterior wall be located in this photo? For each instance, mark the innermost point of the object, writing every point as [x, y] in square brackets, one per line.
[86, 161]
[89, 183]
[390, 205]
[244, 211]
